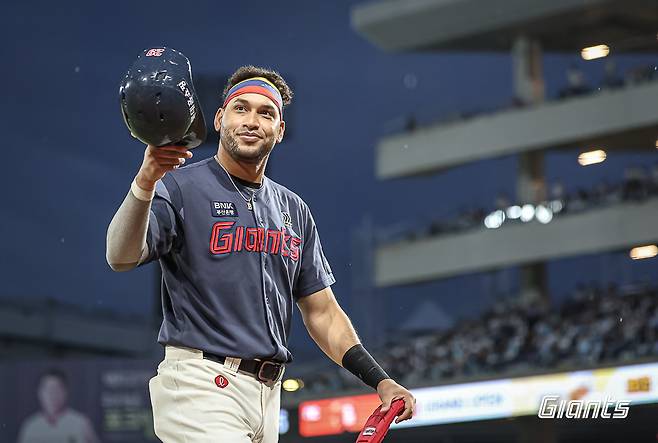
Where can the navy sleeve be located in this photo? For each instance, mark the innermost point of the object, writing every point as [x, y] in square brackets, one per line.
[315, 273]
[165, 230]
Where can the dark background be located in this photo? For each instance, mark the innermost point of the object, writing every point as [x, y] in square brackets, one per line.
[69, 160]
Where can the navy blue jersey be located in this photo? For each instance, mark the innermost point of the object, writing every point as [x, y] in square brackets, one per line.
[230, 275]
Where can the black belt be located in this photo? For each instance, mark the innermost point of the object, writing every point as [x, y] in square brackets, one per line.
[264, 370]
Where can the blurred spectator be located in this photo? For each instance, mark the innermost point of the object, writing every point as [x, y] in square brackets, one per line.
[517, 102]
[502, 201]
[611, 80]
[635, 183]
[641, 74]
[410, 124]
[576, 84]
[654, 179]
[557, 191]
[579, 201]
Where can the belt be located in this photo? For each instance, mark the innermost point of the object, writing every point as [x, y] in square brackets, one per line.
[264, 370]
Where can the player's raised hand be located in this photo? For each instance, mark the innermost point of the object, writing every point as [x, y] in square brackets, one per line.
[158, 161]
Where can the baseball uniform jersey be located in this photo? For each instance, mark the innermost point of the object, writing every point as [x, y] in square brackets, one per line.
[230, 274]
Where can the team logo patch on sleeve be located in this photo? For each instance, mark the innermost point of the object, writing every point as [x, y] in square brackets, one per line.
[287, 220]
[223, 209]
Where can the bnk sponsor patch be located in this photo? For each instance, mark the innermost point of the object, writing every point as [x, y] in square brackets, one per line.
[223, 209]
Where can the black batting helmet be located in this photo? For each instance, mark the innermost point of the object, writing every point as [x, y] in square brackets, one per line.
[158, 101]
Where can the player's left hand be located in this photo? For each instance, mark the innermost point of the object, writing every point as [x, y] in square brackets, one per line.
[389, 390]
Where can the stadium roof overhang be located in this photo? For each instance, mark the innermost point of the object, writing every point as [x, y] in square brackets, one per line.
[493, 25]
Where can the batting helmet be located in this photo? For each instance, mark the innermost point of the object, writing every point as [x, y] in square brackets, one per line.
[158, 101]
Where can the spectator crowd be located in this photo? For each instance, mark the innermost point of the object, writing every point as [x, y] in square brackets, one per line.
[595, 326]
[575, 84]
[639, 183]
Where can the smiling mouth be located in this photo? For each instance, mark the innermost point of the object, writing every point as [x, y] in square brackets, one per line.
[247, 136]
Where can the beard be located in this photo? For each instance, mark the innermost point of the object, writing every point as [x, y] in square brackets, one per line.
[252, 154]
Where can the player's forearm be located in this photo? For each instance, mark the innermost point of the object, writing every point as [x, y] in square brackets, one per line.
[333, 332]
[126, 235]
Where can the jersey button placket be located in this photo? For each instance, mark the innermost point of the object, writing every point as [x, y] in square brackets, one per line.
[263, 254]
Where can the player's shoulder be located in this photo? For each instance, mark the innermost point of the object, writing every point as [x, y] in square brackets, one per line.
[191, 170]
[286, 193]
[179, 178]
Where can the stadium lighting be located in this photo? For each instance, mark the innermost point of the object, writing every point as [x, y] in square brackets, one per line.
[642, 252]
[544, 215]
[292, 384]
[594, 52]
[495, 219]
[527, 213]
[591, 157]
[513, 212]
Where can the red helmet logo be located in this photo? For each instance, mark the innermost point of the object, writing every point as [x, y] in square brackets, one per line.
[157, 52]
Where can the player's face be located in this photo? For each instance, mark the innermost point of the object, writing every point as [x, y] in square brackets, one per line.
[52, 395]
[249, 127]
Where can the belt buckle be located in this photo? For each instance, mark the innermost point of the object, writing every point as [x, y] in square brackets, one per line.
[265, 379]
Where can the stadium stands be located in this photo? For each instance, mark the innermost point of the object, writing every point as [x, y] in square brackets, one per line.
[595, 326]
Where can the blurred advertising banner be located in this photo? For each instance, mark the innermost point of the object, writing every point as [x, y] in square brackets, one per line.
[76, 401]
[486, 400]
[79, 401]
[335, 415]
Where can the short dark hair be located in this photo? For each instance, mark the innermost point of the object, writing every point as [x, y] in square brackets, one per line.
[250, 71]
[57, 373]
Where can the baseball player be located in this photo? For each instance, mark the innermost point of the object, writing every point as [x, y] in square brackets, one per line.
[236, 251]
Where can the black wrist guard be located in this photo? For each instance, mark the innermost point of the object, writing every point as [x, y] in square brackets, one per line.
[360, 363]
